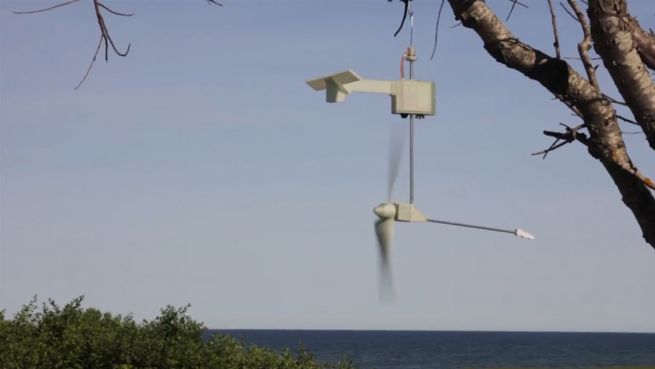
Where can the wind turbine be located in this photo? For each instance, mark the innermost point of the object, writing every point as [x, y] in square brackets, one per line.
[408, 98]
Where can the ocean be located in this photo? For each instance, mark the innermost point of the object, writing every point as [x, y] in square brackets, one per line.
[454, 350]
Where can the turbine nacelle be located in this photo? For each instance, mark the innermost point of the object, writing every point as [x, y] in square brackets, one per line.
[399, 211]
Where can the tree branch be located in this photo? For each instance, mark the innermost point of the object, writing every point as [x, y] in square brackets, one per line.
[113, 11]
[46, 9]
[611, 31]
[569, 136]
[511, 10]
[568, 12]
[585, 45]
[88, 69]
[645, 43]
[436, 30]
[105, 37]
[553, 21]
[605, 141]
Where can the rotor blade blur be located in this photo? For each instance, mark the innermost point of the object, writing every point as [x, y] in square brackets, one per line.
[396, 145]
[384, 229]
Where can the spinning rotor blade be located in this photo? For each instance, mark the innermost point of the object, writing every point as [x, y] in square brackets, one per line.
[516, 232]
[396, 145]
[384, 233]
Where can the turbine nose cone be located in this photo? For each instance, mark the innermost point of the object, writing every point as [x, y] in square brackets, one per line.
[385, 211]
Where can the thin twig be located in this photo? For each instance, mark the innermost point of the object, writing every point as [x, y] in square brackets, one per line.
[552, 147]
[627, 120]
[511, 10]
[46, 9]
[553, 20]
[115, 12]
[585, 45]
[571, 134]
[578, 58]
[615, 101]
[436, 30]
[575, 110]
[105, 38]
[568, 12]
[88, 69]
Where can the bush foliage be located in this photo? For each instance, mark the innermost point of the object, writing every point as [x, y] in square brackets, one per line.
[73, 337]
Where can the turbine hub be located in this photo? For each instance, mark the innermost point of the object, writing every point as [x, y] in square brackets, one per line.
[385, 211]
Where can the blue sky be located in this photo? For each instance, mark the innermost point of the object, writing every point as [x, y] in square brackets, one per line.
[201, 169]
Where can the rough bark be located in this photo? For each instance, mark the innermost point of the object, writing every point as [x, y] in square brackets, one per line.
[645, 43]
[605, 142]
[611, 30]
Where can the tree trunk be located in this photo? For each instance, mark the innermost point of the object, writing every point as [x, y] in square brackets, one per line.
[605, 142]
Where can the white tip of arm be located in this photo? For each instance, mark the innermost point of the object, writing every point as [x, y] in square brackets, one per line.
[523, 234]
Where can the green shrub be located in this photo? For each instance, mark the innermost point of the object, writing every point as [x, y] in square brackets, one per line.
[73, 337]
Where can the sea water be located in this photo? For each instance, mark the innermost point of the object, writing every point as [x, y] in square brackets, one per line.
[452, 350]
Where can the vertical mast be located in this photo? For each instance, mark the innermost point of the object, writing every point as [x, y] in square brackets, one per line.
[411, 58]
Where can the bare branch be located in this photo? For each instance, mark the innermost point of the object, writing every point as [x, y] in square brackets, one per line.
[436, 30]
[88, 69]
[627, 120]
[46, 9]
[569, 137]
[578, 58]
[571, 134]
[553, 20]
[511, 10]
[552, 147]
[615, 101]
[115, 12]
[568, 12]
[585, 45]
[105, 38]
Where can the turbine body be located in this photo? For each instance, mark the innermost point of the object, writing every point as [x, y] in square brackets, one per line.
[411, 98]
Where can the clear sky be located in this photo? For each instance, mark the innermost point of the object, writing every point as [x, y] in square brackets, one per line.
[201, 169]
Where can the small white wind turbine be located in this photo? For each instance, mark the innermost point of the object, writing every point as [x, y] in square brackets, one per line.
[408, 98]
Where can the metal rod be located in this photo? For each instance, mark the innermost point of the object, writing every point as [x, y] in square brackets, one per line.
[411, 58]
[472, 226]
[411, 159]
